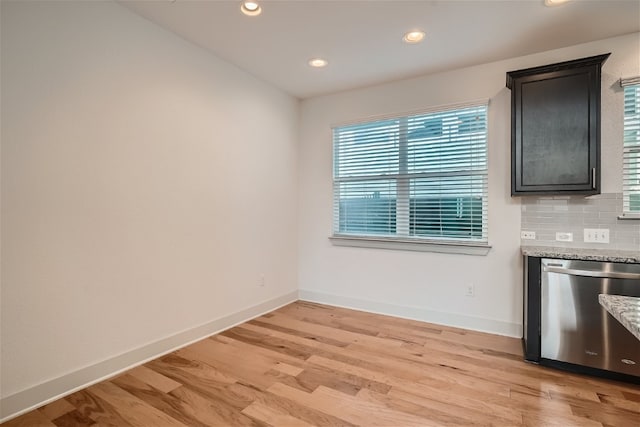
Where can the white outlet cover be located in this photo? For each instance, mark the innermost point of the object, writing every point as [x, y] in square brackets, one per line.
[471, 290]
[564, 237]
[589, 236]
[596, 235]
[528, 235]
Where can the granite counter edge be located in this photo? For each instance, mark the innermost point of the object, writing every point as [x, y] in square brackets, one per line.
[581, 254]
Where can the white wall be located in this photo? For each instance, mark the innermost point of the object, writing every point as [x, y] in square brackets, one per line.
[146, 186]
[430, 286]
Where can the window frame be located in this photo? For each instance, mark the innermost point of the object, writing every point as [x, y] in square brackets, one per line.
[402, 179]
[627, 151]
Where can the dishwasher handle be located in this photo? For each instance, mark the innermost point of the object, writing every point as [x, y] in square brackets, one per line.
[590, 273]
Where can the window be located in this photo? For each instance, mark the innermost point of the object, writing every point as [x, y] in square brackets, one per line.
[419, 178]
[631, 156]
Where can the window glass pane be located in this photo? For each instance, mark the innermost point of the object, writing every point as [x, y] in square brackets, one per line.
[367, 207]
[369, 149]
[459, 144]
[448, 208]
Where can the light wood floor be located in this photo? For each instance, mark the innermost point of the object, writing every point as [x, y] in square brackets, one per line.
[309, 364]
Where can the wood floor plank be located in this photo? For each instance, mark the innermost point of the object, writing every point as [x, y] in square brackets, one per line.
[73, 419]
[632, 396]
[221, 392]
[529, 404]
[500, 407]
[30, 419]
[178, 368]
[308, 414]
[553, 420]
[560, 392]
[324, 314]
[329, 332]
[283, 352]
[135, 411]
[309, 364]
[484, 340]
[449, 413]
[630, 405]
[56, 409]
[350, 408]
[293, 332]
[168, 404]
[602, 412]
[223, 358]
[215, 409]
[285, 368]
[272, 416]
[606, 417]
[309, 382]
[154, 379]
[316, 342]
[100, 411]
[259, 340]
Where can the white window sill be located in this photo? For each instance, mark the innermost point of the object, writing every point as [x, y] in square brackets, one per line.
[627, 216]
[470, 248]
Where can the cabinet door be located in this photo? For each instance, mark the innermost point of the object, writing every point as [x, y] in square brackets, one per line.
[556, 130]
[531, 309]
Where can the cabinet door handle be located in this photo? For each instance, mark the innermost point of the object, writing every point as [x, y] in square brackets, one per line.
[593, 178]
[591, 273]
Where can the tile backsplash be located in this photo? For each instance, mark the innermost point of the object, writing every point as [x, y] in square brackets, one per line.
[547, 216]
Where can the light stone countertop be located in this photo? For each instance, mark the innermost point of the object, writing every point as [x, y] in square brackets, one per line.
[626, 310]
[605, 255]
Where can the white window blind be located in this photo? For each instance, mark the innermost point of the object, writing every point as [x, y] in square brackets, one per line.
[418, 177]
[631, 156]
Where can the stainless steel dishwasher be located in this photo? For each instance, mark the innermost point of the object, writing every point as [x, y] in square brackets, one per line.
[574, 328]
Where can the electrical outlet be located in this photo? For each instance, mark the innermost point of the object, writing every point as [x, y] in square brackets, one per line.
[470, 291]
[528, 235]
[261, 282]
[596, 235]
[564, 237]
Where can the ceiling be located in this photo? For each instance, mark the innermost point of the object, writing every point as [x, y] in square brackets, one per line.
[362, 40]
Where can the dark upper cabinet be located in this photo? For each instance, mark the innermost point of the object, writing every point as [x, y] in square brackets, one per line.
[555, 128]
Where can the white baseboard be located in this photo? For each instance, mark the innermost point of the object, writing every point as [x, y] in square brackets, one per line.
[415, 313]
[41, 394]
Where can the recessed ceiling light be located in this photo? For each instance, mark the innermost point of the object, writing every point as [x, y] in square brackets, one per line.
[318, 62]
[413, 37]
[555, 2]
[251, 8]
